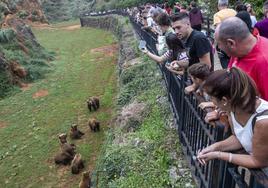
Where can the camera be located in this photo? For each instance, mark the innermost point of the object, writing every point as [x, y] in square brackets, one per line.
[142, 44]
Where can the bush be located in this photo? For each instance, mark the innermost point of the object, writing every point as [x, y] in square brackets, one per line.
[7, 35]
[35, 72]
[22, 14]
[5, 84]
[136, 79]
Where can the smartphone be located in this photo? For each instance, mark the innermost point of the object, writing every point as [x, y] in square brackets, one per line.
[142, 44]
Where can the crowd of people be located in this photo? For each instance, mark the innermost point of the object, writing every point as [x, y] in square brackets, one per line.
[239, 90]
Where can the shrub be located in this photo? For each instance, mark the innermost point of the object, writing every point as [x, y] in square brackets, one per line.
[6, 35]
[22, 14]
[5, 83]
[138, 78]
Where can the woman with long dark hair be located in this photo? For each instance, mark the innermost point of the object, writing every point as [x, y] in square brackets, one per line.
[235, 92]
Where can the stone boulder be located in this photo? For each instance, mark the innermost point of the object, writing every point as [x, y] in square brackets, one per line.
[132, 116]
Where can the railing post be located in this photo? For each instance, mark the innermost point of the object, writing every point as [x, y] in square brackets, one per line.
[182, 110]
[217, 169]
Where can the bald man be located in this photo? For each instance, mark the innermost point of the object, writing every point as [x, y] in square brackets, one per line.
[248, 52]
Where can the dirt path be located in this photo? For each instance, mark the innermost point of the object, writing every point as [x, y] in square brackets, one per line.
[52, 27]
[3, 124]
[40, 93]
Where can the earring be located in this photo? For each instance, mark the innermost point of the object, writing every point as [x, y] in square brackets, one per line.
[224, 104]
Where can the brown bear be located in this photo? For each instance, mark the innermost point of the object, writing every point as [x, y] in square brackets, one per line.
[67, 151]
[69, 148]
[66, 155]
[85, 181]
[63, 138]
[63, 158]
[77, 164]
[93, 103]
[75, 133]
[94, 124]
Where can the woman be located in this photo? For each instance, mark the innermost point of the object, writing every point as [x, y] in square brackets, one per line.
[252, 14]
[176, 53]
[234, 92]
[196, 17]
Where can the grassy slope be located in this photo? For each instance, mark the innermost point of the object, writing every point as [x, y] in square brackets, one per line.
[29, 135]
[144, 157]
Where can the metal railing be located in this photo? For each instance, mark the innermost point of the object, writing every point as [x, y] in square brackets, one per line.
[195, 134]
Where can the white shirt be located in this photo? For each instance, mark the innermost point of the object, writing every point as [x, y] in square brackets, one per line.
[253, 21]
[244, 133]
[150, 21]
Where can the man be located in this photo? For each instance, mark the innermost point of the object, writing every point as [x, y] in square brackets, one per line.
[196, 42]
[248, 52]
[262, 26]
[223, 13]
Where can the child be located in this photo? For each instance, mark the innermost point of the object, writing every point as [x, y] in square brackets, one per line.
[198, 73]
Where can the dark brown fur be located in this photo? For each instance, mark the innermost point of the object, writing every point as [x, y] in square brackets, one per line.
[66, 155]
[69, 148]
[93, 103]
[75, 133]
[85, 181]
[77, 164]
[67, 151]
[94, 124]
[63, 158]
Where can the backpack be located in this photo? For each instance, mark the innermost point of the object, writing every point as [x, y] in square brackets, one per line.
[265, 112]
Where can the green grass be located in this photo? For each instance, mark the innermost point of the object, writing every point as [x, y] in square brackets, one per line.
[142, 158]
[29, 127]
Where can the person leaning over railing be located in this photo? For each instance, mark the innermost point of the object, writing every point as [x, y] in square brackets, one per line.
[198, 74]
[150, 19]
[164, 23]
[174, 55]
[235, 92]
[199, 47]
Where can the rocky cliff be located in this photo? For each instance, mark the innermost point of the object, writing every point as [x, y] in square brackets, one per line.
[28, 10]
[20, 53]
